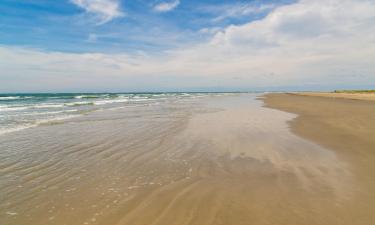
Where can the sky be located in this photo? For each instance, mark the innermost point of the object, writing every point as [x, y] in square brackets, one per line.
[186, 45]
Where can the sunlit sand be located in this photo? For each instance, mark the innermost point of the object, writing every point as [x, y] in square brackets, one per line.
[209, 160]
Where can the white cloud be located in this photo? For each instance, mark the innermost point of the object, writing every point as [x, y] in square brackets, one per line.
[104, 10]
[237, 10]
[166, 6]
[312, 42]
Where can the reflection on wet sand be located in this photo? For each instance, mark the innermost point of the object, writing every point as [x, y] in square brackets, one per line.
[212, 160]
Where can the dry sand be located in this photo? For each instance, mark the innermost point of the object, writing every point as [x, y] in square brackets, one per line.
[354, 96]
[209, 161]
[345, 125]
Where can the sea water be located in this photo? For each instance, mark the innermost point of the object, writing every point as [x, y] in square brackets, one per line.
[21, 111]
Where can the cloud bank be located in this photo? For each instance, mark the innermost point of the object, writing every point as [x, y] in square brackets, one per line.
[311, 42]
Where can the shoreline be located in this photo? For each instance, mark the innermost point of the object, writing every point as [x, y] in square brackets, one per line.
[364, 96]
[332, 117]
[203, 161]
[345, 126]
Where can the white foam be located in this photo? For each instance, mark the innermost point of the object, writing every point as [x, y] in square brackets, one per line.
[4, 109]
[34, 124]
[103, 102]
[79, 103]
[14, 97]
[89, 96]
[47, 105]
[14, 129]
[9, 98]
[48, 113]
[145, 100]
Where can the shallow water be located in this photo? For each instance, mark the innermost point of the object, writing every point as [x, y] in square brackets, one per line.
[207, 160]
[22, 111]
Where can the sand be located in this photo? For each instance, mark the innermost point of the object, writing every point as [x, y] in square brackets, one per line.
[354, 96]
[206, 161]
[346, 126]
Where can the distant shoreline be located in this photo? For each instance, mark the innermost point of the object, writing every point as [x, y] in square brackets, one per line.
[354, 91]
[368, 95]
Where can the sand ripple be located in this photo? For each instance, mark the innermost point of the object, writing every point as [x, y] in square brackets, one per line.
[212, 160]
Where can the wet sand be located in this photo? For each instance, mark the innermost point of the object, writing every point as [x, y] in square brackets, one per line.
[211, 160]
[346, 125]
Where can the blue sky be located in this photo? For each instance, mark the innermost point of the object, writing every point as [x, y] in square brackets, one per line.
[65, 26]
[140, 45]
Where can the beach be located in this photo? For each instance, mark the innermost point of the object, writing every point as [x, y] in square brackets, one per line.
[344, 123]
[219, 159]
[354, 95]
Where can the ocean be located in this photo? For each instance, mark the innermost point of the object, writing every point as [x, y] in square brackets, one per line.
[22, 111]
